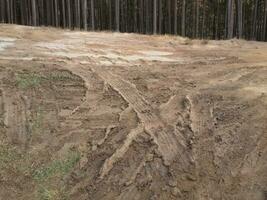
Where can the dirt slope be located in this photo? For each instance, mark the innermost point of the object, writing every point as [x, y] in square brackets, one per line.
[124, 116]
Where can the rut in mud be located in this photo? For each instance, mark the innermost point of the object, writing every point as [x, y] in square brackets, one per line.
[131, 117]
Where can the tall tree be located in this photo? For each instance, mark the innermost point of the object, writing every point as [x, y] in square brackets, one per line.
[240, 18]
[63, 13]
[183, 18]
[117, 15]
[93, 14]
[230, 19]
[197, 18]
[265, 22]
[85, 15]
[175, 6]
[56, 13]
[254, 23]
[155, 11]
[34, 15]
[160, 16]
[69, 13]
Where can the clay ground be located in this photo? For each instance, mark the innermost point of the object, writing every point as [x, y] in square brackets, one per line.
[109, 116]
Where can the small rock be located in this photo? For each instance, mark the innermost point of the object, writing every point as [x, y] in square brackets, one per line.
[94, 147]
[83, 162]
[172, 183]
[176, 192]
[165, 188]
[191, 177]
[150, 157]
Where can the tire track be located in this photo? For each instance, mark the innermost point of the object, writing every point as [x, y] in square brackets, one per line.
[108, 165]
[168, 145]
[15, 117]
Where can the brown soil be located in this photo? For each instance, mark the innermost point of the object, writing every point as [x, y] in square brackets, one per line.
[95, 116]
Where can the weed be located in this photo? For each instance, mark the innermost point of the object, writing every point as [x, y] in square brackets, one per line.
[59, 77]
[11, 159]
[45, 194]
[26, 81]
[57, 167]
[31, 80]
[8, 156]
[36, 123]
[49, 194]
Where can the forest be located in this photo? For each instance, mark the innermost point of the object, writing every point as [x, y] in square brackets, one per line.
[206, 19]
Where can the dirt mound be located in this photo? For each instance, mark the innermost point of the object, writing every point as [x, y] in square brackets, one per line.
[124, 116]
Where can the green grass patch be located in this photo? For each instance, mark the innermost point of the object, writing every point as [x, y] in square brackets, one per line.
[37, 121]
[60, 77]
[51, 194]
[11, 160]
[26, 81]
[57, 167]
[33, 80]
[47, 178]
[7, 156]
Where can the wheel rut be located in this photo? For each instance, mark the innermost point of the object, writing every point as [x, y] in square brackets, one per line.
[15, 116]
[168, 145]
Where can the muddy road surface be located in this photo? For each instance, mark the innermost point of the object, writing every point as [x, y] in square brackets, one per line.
[109, 116]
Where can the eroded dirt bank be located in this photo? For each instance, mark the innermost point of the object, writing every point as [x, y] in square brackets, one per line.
[124, 116]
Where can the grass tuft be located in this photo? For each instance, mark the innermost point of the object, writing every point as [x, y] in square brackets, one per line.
[8, 156]
[57, 167]
[26, 81]
[32, 80]
[51, 194]
[37, 121]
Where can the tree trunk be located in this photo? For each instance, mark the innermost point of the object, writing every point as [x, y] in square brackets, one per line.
[69, 14]
[2, 12]
[254, 28]
[230, 19]
[160, 16]
[169, 5]
[8, 11]
[63, 13]
[85, 15]
[265, 22]
[56, 13]
[93, 14]
[78, 14]
[175, 17]
[110, 14]
[155, 17]
[197, 18]
[240, 18]
[117, 15]
[183, 18]
[34, 16]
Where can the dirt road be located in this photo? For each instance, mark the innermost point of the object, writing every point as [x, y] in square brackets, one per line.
[124, 116]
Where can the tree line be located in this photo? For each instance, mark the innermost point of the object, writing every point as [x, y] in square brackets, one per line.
[206, 19]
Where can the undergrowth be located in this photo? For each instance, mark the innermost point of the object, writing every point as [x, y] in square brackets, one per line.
[33, 80]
